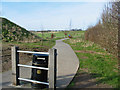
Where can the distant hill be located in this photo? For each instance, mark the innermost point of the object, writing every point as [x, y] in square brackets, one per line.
[14, 32]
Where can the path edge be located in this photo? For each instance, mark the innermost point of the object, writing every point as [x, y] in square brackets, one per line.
[78, 66]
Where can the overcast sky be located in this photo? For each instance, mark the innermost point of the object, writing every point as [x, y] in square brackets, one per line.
[53, 15]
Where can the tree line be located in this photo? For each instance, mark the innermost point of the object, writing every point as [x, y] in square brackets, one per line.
[105, 32]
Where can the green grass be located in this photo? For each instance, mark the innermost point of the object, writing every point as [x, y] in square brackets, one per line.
[41, 44]
[100, 63]
[47, 41]
[48, 35]
[60, 34]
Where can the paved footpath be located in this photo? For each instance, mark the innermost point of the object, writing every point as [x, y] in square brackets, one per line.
[67, 66]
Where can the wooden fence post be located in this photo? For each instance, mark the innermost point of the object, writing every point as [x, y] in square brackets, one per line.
[15, 68]
[52, 68]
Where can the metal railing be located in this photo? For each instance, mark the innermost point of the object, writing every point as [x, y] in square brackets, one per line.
[52, 67]
[28, 66]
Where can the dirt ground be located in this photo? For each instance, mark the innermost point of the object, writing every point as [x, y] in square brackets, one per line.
[85, 80]
[6, 55]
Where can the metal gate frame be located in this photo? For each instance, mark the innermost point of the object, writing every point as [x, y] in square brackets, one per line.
[52, 66]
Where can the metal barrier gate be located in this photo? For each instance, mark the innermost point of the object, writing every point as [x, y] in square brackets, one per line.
[52, 67]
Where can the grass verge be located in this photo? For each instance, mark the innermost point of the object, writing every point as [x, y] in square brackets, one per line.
[95, 61]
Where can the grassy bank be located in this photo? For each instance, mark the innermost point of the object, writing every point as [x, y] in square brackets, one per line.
[95, 61]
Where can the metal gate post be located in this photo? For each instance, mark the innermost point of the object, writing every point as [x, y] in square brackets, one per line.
[15, 67]
[52, 68]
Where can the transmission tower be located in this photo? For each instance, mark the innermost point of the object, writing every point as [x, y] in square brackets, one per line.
[42, 33]
[70, 24]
